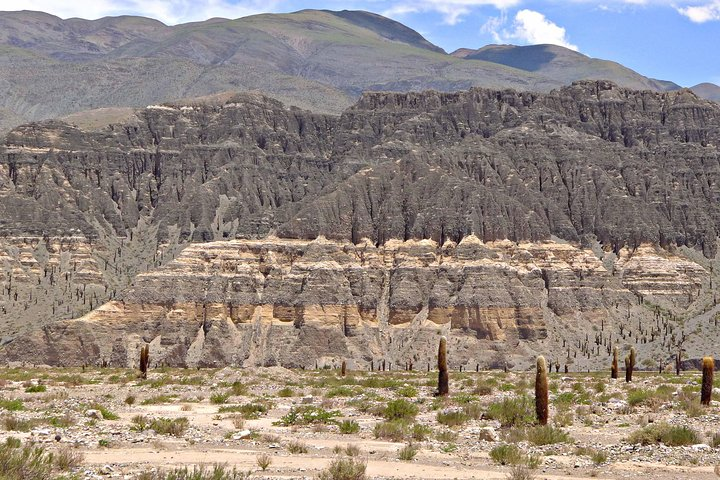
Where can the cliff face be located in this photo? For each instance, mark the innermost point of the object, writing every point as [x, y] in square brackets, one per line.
[295, 303]
[498, 180]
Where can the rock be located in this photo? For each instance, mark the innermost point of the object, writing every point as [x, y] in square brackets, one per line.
[242, 434]
[488, 434]
[92, 413]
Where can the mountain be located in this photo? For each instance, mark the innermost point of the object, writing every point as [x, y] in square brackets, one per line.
[707, 90]
[315, 59]
[563, 65]
[236, 230]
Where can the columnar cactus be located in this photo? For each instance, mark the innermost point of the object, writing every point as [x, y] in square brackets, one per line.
[708, 368]
[343, 368]
[628, 369]
[541, 391]
[443, 377]
[144, 360]
[614, 368]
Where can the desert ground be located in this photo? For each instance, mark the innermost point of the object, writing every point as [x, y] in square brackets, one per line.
[278, 423]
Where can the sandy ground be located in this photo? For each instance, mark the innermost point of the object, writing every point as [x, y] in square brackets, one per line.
[116, 448]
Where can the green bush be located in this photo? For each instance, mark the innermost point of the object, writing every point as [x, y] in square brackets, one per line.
[512, 412]
[307, 415]
[506, 454]
[249, 410]
[407, 452]
[349, 426]
[546, 435]
[666, 434]
[452, 418]
[400, 409]
[407, 391]
[36, 389]
[219, 398]
[217, 472]
[286, 392]
[12, 405]
[395, 430]
[166, 426]
[344, 469]
[106, 414]
[24, 463]
[420, 432]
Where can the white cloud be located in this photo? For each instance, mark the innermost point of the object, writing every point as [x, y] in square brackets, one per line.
[702, 13]
[167, 11]
[452, 11]
[529, 27]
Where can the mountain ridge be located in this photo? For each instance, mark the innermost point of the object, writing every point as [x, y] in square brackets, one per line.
[318, 60]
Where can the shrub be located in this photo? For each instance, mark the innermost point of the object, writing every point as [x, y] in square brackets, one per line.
[249, 410]
[520, 472]
[350, 450]
[638, 396]
[407, 391]
[13, 442]
[158, 399]
[12, 405]
[238, 389]
[130, 400]
[15, 424]
[307, 415]
[395, 430]
[166, 426]
[36, 389]
[263, 460]
[666, 434]
[400, 409]
[219, 398]
[512, 412]
[349, 426]
[546, 435]
[106, 414]
[420, 432]
[286, 392]
[452, 418]
[407, 452]
[344, 469]
[66, 459]
[140, 423]
[340, 391]
[24, 463]
[217, 472]
[506, 454]
[296, 446]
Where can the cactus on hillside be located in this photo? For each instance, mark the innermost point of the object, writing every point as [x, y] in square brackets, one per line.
[614, 368]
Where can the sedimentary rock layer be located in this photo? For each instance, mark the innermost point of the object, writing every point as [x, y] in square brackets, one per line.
[299, 303]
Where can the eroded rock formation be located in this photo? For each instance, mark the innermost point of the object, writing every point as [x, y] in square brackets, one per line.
[296, 303]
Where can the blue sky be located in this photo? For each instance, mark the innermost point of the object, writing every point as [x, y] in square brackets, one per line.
[676, 40]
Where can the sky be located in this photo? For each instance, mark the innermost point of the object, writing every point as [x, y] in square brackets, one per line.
[676, 40]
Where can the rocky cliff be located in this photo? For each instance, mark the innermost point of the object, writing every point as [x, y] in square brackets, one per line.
[302, 303]
[621, 185]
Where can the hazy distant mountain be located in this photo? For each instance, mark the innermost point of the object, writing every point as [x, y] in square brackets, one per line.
[707, 90]
[563, 64]
[320, 60]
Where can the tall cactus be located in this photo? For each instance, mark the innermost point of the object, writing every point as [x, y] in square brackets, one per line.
[628, 369]
[144, 360]
[443, 377]
[541, 391]
[708, 368]
[630, 365]
[343, 368]
[614, 368]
